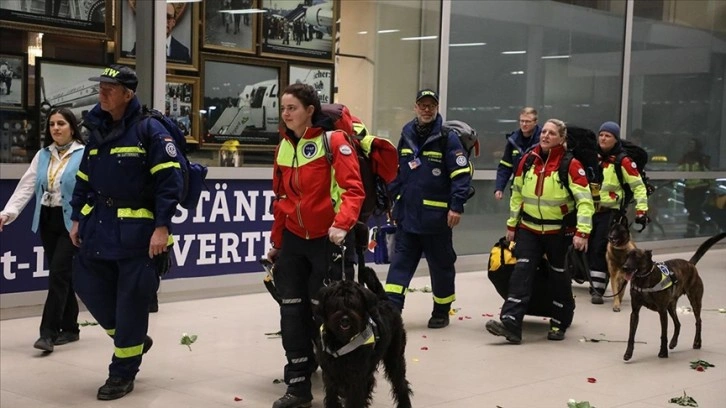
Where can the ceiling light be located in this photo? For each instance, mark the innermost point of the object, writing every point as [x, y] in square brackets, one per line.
[244, 11]
[362, 32]
[517, 72]
[513, 52]
[428, 37]
[387, 31]
[183, 1]
[474, 44]
[555, 56]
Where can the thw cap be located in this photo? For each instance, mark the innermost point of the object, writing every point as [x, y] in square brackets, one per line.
[118, 74]
[427, 92]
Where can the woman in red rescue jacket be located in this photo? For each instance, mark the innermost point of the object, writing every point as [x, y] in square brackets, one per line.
[317, 203]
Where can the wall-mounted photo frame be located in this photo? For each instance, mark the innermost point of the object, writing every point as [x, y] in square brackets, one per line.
[319, 77]
[230, 25]
[241, 99]
[64, 84]
[181, 30]
[13, 81]
[18, 136]
[182, 105]
[301, 29]
[87, 18]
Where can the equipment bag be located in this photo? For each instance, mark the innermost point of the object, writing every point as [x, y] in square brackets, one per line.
[640, 157]
[500, 268]
[194, 173]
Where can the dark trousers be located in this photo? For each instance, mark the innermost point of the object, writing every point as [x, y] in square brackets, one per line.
[440, 256]
[117, 293]
[60, 312]
[596, 250]
[300, 271]
[529, 251]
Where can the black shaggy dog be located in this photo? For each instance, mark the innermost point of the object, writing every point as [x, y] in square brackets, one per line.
[360, 328]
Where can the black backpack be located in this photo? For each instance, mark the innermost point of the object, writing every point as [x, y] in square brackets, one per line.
[469, 141]
[581, 145]
[640, 157]
[194, 173]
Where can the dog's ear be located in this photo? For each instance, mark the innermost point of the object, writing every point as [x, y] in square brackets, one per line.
[323, 295]
[371, 300]
[649, 255]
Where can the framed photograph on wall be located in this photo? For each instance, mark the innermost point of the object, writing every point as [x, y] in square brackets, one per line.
[181, 32]
[298, 29]
[18, 136]
[64, 84]
[321, 78]
[182, 104]
[241, 99]
[88, 18]
[13, 81]
[230, 25]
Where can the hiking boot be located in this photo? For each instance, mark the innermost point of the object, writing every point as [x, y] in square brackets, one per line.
[438, 322]
[596, 299]
[293, 401]
[556, 334]
[115, 388]
[45, 344]
[66, 337]
[498, 328]
[148, 342]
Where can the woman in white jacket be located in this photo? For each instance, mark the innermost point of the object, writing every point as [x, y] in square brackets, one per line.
[51, 178]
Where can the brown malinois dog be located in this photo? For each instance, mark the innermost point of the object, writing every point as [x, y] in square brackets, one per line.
[658, 286]
[619, 244]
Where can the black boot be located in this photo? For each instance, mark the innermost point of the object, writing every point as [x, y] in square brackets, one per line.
[115, 388]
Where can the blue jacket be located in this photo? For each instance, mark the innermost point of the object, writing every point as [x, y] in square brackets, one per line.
[425, 193]
[516, 145]
[128, 183]
[67, 183]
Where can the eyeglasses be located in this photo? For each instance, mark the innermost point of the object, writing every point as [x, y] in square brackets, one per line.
[428, 107]
[526, 122]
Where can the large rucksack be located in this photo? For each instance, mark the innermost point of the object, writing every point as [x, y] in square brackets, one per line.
[377, 160]
[469, 141]
[194, 173]
[640, 157]
[581, 145]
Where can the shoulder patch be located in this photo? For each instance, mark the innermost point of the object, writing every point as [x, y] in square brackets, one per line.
[344, 149]
[633, 165]
[581, 172]
[170, 149]
[461, 161]
[309, 150]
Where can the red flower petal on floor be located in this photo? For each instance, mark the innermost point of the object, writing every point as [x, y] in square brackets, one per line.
[424, 336]
[238, 399]
[467, 317]
[424, 348]
[591, 380]
[461, 318]
[487, 315]
[700, 368]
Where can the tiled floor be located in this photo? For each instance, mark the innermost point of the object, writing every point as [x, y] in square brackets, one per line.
[460, 366]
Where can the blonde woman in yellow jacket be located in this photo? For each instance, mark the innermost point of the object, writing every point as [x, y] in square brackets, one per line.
[547, 219]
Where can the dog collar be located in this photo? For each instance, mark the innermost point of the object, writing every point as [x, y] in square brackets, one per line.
[665, 281]
[364, 338]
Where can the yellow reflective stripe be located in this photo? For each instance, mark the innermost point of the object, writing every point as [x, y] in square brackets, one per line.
[111, 332]
[435, 155]
[406, 151]
[86, 209]
[170, 240]
[544, 202]
[131, 213]
[81, 175]
[461, 170]
[93, 152]
[444, 301]
[126, 352]
[432, 203]
[165, 165]
[397, 289]
[128, 149]
[502, 162]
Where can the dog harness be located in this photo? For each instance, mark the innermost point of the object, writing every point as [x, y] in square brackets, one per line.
[666, 281]
[365, 338]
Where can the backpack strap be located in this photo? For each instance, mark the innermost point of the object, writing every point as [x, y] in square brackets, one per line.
[626, 188]
[326, 146]
[564, 172]
[514, 144]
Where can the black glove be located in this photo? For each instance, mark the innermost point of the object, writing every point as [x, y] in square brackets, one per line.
[643, 220]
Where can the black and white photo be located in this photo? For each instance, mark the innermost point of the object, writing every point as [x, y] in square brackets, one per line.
[241, 101]
[79, 17]
[180, 105]
[298, 28]
[230, 25]
[65, 84]
[319, 78]
[13, 81]
[180, 34]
